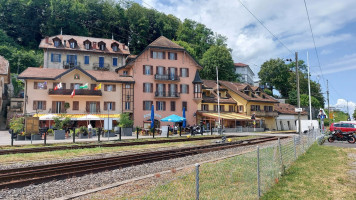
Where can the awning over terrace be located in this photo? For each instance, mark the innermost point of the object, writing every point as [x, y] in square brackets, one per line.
[228, 116]
[79, 116]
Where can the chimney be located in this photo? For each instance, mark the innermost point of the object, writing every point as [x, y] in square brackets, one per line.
[46, 39]
[94, 45]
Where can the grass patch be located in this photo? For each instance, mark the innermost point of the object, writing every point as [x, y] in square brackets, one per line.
[99, 150]
[321, 173]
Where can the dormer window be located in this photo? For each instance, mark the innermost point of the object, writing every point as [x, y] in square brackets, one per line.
[87, 44]
[102, 46]
[72, 43]
[115, 46]
[56, 43]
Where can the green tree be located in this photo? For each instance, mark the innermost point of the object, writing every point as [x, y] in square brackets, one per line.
[275, 74]
[218, 56]
[304, 101]
[354, 114]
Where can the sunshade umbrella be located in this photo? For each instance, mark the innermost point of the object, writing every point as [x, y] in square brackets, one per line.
[47, 117]
[88, 117]
[184, 121]
[173, 118]
[152, 116]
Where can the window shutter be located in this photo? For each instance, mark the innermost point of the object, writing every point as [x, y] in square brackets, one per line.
[164, 105]
[34, 105]
[113, 105]
[151, 70]
[180, 72]
[181, 85]
[53, 106]
[156, 69]
[143, 69]
[87, 106]
[187, 89]
[60, 57]
[151, 87]
[72, 86]
[164, 55]
[51, 57]
[44, 105]
[114, 88]
[169, 88]
[143, 107]
[164, 70]
[97, 106]
[105, 87]
[187, 72]
[175, 56]
[62, 107]
[35, 85]
[156, 105]
[144, 87]
[176, 88]
[105, 105]
[151, 54]
[164, 87]
[201, 107]
[156, 87]
[176, 71]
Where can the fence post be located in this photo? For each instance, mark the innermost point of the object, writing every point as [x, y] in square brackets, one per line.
[280, 154]
[73, 135]
[168, 131]
[45, 137]
[258, 173]
[295, 148]
[153, 132]
[180, 131]
[197, 181]
[211, 130]
[99, 133]
[136, 132]
[12, 137]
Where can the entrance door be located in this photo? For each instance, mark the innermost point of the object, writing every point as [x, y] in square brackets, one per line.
[72, 60]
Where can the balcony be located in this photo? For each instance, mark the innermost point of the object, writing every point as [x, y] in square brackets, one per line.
[164, 94]
[69, 65]
[166, 77]
[83, 92]
[101, 66]
[263, 113]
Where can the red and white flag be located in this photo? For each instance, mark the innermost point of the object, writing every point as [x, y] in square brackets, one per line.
[73, 93]
[58, 86]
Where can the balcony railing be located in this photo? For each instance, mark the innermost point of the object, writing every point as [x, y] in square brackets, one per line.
[101, 66]
[166, 77]
[167, 94]
[263, 113]
[77, 92]
[69, 65]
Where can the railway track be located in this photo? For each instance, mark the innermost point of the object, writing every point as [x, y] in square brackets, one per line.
[57, 148]
[20, 177]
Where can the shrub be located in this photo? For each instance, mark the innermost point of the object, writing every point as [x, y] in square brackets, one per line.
[125, 121]
[16, 124]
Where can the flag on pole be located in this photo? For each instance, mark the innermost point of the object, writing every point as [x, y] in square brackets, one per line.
[84, 86]
[98, 87]
[73, 93]
[58, 86]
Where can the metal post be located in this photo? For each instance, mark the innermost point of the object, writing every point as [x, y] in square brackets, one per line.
[258, 173]
[73, 135]
[136, 132]
[298, 91]
[99, 133]
[45, 138]
[280, 154]
[153, 132]
[295, 148]
[197, 181]
[180, 131]
[168, 132]
[12, 137]
[211, 130]
[120, 134]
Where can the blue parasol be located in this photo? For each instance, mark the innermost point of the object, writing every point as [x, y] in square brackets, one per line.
[152, 116]
[173, 118]
[184, 121]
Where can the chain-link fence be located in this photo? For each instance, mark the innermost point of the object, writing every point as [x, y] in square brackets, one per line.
[245, 176]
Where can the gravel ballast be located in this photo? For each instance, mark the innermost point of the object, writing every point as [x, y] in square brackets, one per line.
[59, 188]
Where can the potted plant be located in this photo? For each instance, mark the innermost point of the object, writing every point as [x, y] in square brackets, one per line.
[66, 106]
[16, 124]
[50, 132]
[21, 136]
[126, 124]
[59, 133]
[83, 132]
[36, 136]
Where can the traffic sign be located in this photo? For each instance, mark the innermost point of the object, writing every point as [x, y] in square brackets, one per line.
[298, 109]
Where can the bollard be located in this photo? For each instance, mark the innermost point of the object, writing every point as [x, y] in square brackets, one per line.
[12, 137]
[258, 173]
[99, 133]
[211, 130]
[197, 181]
[136, 132]
[295, 148]
[73, 135]
[153, 132]
[45, 138]
[120, 135]
[167, 131]
[180, 131]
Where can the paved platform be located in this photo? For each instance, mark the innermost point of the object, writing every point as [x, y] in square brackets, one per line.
[5, 138]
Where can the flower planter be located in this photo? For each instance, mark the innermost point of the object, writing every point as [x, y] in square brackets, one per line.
[36, 137]
[20, 137]
[59, 134]
[84, 136]
[126, 131]
[110, 134]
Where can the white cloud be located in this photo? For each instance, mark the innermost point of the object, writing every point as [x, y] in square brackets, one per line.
[342, 104]
[250, 42]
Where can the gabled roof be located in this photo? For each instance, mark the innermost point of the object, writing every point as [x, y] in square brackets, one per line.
[238, 89]
[81, 47]
[287, 109]
[54, 74]
[160, 43]
[240, 65]
[213, 98]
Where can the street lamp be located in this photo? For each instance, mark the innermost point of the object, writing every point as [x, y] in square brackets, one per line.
[298, 92]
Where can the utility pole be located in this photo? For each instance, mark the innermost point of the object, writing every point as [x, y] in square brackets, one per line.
[310, 107]
[298, 92]
[217, 83]
[327, 93]
[348, 115]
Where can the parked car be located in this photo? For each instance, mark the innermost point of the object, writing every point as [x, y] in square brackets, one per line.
[343, 126]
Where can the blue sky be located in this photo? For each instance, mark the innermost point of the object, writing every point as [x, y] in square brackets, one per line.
[333, 23]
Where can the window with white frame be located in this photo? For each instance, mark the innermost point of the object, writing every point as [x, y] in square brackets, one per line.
[87, 46]
[184, 72]
[148, 70]
[56, 43]
[184, 89]
[158, 55]
[161, 105]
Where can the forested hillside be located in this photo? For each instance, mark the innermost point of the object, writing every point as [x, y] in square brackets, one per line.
[25, 22]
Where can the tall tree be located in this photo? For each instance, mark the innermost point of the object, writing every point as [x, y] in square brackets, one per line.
[218, 56]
